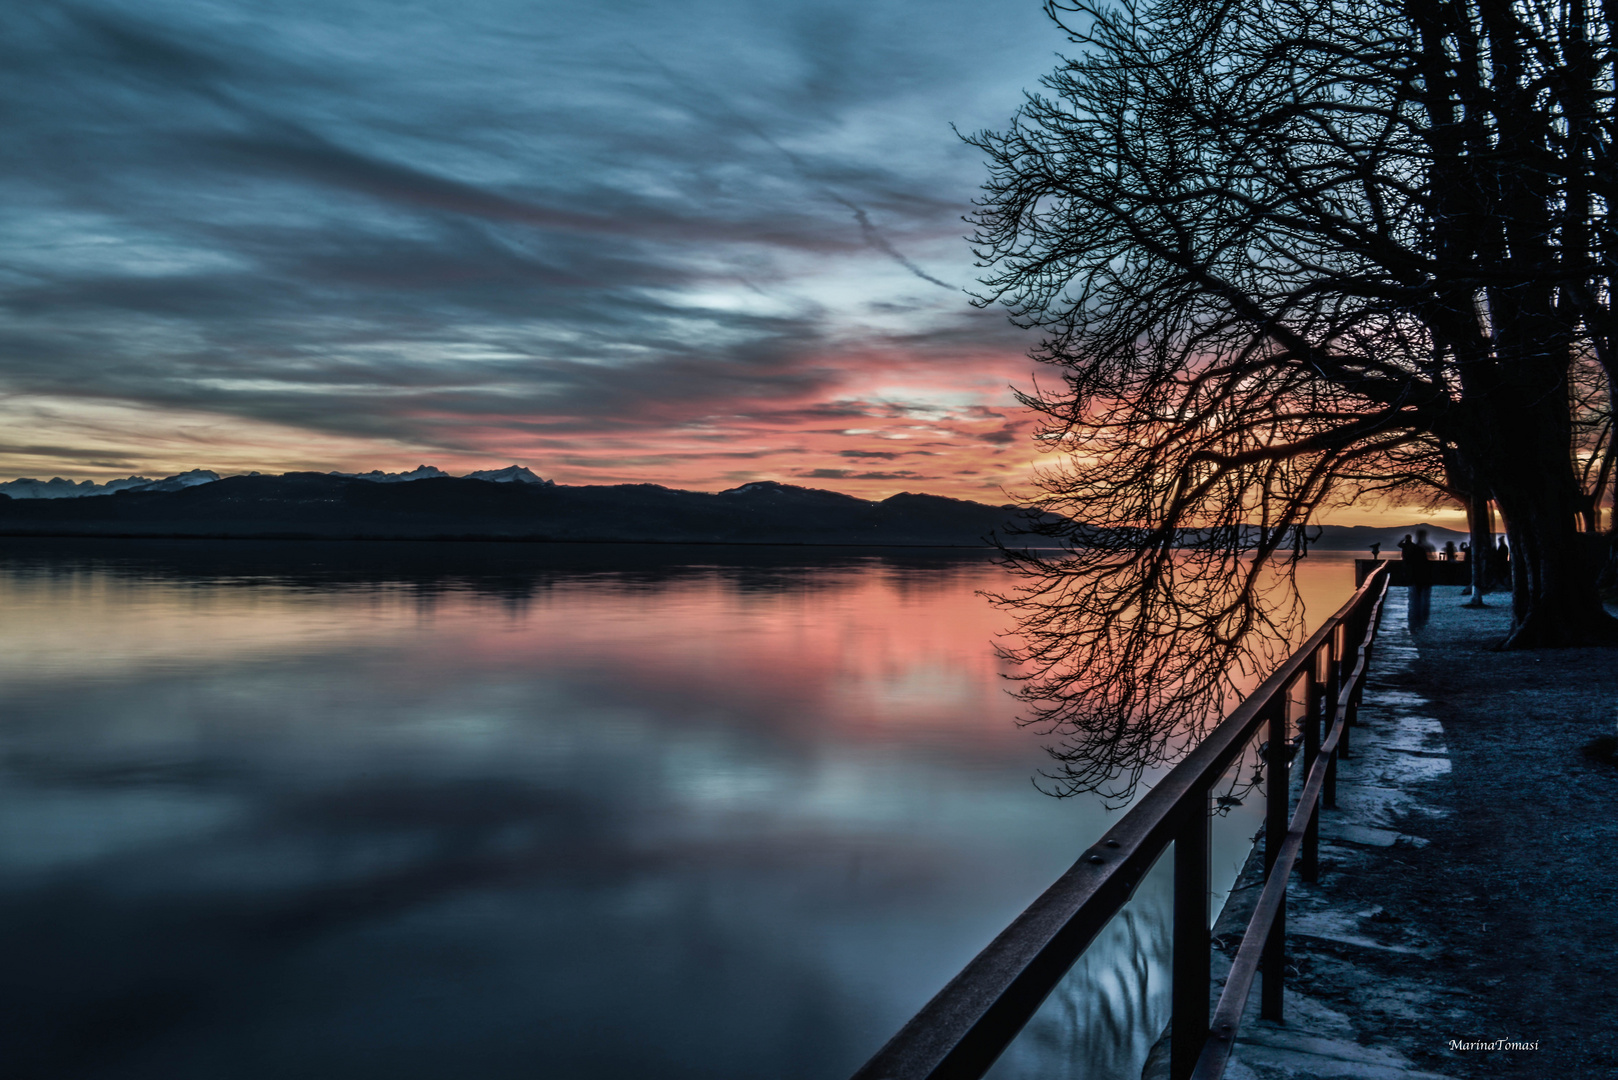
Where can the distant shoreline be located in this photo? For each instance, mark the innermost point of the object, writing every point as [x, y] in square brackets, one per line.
[477, 539]
[492, 538]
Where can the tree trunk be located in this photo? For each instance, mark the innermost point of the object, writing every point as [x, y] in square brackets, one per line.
[1518, 405]
[1554, 597]
[1521, 438]
[1520, 591]
[1478, 523]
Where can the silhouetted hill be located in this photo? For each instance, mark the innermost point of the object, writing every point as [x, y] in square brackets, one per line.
[332, 506]
[319, 505]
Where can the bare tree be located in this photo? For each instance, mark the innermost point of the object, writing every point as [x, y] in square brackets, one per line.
[1283, 253]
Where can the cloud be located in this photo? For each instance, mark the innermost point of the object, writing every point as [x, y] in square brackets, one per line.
[850, 474]
[433, 231]
[1003, 436]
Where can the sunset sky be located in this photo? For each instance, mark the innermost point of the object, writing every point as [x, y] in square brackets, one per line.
[697, 244]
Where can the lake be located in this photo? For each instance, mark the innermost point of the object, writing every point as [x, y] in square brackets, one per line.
[499, 810]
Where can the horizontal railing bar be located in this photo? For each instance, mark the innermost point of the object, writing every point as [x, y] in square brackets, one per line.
[1227, 1017]
[965, 1027]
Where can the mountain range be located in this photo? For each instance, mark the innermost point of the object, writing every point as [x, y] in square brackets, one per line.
[58, 488]
[505, 507]
[515, 504]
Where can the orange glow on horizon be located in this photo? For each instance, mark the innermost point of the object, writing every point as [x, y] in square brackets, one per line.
[877, 422]
[872, 423]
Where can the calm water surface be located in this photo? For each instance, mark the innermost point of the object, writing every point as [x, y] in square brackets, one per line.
[513, 811]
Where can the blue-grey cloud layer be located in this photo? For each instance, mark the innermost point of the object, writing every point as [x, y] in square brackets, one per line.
[349, 216]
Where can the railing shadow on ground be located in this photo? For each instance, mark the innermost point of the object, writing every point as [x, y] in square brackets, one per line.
[960, 1033]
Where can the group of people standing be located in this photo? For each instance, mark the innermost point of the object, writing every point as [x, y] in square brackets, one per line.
[1417, 555]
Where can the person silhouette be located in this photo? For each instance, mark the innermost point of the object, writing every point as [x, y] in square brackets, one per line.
[1418, 576]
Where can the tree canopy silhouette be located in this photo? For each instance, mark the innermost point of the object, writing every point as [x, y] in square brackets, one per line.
[1283, 254]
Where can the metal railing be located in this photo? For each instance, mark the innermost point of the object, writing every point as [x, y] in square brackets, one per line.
[961, 1031]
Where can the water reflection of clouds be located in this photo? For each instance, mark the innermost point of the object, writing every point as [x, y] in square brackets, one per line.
[47, 830]
[858, 642]
[631, 823]
[649, 807]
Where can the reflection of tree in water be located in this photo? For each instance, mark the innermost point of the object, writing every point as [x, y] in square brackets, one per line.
[1101, 1020]
[1130, 647]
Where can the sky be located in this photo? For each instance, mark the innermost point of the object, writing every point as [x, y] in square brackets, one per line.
[698, 244]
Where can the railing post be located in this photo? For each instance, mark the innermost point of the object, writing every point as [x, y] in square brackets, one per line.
[1328, 708]
[1347, 645]
[1365, 635]
[1362, 626]
[1340, 667]
[1342, 741]
[1368, 639]
[1272, 964]
[1311, 750]
[1192, 969]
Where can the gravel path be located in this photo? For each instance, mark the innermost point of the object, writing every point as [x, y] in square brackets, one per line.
[1519, 886]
